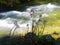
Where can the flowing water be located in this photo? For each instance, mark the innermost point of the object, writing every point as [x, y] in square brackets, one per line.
[23, 19]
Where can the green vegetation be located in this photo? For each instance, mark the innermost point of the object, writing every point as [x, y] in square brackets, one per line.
[52, 24]
[21, 5]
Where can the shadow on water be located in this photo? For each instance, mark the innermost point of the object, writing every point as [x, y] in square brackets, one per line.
[29, 39]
